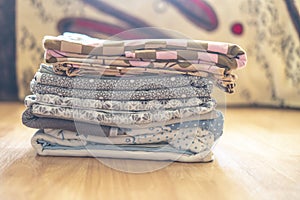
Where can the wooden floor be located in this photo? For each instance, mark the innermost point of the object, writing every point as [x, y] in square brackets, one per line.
[258, 157]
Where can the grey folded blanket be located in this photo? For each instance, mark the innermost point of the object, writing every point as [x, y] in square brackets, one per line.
[167, 93]
[189, 141]
[212, 122]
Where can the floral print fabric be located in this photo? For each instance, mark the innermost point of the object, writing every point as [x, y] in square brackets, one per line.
[159, 94]
[72, 102]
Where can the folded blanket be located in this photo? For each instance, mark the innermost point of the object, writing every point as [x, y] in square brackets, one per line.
[224, 82]
[181, 144]
[75, 54]
[109, 105]
[180, 64]
[120, 118]
[159, 94]
[172, 49]
[212, 122]
[46, 145]
[46, 76]
[85, 68]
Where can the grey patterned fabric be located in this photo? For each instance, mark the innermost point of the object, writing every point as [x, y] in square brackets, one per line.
[212, 122]
[46, 145]
[188, 142]
[110, 105]
[225, 82]
[124, 118]
[159, 94]
[46, 76]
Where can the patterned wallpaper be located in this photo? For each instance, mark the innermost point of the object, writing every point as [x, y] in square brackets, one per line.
[267, 29]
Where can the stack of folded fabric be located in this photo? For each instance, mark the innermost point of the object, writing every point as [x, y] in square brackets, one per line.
[138, 99]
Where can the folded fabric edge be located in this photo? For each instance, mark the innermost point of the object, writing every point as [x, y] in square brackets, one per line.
[205, 156]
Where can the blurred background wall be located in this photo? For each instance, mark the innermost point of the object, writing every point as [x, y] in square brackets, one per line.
[267, 29]
[8, 82]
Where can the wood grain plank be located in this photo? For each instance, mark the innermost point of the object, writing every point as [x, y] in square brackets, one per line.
[258, 157]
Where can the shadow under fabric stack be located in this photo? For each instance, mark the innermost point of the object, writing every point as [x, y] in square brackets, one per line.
[138, 99]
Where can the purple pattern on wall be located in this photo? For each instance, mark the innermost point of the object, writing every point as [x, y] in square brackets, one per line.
[198, 12]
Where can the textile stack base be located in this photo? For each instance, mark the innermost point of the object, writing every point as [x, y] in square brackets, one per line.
[131, 99]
